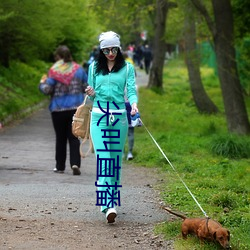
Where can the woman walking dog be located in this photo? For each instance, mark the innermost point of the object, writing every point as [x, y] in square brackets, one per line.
[108, 78]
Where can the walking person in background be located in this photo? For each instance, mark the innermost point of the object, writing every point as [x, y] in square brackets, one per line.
[147, 54]
[139, 56]
[108, 78]
[130, 133]
[65, 83]
[131, 129]
[92, 56]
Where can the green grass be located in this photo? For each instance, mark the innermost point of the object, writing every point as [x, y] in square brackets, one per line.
[19, 88]
[214, 164]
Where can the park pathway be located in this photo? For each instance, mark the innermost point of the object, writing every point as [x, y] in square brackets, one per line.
[40, 209]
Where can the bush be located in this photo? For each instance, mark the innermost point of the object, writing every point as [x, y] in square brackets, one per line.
[231, 146]
[19, 88]
[223, 200]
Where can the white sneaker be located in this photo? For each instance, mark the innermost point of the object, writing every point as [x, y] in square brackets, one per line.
[58, 171]
[111, 215]
[129, 156]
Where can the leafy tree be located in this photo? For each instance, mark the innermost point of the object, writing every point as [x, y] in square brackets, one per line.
[28, 33]
[201, 99]
[221, 28]
[156, 72]
[241, 18]
[126, 17]
[242, 33]
[78, 29]
[175, 24]
[21, 34]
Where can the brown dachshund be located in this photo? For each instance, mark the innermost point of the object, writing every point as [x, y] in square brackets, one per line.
[204, 229]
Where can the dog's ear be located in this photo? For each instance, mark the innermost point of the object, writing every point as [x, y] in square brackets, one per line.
[228, 237]
[214, 235]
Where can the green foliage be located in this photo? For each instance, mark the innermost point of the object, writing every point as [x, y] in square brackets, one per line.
[219, 183]
[243, 59]
[231, 146]
[241, 17]
[19, 87]
[224, 200]
[175, 25]
[175, 28]
[29, 33]
[127, 17]
[170, 230]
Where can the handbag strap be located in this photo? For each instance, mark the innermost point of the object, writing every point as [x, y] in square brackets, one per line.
[90, 149]
[85, 99]
[92, 74]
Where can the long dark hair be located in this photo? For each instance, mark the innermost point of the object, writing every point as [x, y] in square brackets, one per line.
[101, 63]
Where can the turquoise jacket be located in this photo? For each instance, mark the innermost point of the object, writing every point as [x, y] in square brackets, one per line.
[112, 87]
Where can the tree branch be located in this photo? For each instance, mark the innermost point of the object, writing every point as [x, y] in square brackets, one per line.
[202, 9]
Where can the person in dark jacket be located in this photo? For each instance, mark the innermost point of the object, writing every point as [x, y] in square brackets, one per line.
[147, 54]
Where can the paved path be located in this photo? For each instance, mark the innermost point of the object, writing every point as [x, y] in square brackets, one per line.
[27, 160]
[30, 190]
[141, 78]
[26, 163]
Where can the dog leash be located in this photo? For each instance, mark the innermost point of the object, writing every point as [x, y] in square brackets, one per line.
[174, 169]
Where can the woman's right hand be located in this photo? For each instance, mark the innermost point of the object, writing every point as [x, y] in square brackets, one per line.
[90, 91]
[134, 109]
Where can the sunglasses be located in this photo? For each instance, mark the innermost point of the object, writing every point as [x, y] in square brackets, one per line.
[106, 51]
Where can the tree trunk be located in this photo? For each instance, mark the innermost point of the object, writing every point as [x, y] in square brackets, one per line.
[235, 109]
[223, 38]
[201, 99]
[159, 47]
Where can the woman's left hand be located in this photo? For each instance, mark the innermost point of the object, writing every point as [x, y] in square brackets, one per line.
[134, 109]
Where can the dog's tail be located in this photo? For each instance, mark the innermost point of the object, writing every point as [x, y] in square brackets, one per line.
[175, 213]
